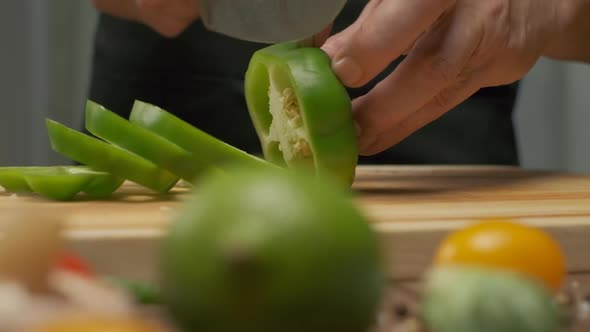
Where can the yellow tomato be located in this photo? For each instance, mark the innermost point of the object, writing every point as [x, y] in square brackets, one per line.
[508, 245]
[96, 324]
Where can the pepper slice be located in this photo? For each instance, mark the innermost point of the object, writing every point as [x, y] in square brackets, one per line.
[12, 180]
[120, 132]
[103, 184]
[102, 156]
[206, 148]
[58, 182]
[301, 111]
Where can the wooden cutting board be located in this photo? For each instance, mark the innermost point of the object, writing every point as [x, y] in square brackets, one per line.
[411, 208]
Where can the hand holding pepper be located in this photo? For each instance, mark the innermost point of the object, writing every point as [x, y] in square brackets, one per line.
[453, 48]
[167, 17]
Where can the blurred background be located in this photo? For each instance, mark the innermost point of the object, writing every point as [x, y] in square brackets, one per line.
[44, 66]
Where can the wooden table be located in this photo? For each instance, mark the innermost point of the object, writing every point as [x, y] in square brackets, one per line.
[411, 208]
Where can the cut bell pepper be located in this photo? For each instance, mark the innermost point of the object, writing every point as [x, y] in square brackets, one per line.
[58, 182]
[12, 180]
[103, 184]
[301, 111]
[102, 156]
[120, 132]
[206, 148]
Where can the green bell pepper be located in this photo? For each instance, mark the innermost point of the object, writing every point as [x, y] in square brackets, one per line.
[12, 179]
[58, 182]
[301, 111]
[206, 148]
[102, 156]
[120, 132]
[103, 184]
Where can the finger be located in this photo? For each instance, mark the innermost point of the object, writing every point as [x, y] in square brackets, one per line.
[383, 36]
[444, 101]
[437, 23]
[334, 43]
[435, 63]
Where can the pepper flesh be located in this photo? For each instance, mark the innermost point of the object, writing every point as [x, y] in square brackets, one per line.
[287, 128]
[301, 111]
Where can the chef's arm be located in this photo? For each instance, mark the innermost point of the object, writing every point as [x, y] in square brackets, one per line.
[167, 17]
[572, 39]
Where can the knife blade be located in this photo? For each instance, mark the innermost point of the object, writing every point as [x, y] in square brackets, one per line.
[269, 21]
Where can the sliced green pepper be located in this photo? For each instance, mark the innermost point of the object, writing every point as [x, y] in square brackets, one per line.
[103, 184]
[58, 182]
[102, 156]
[120, 132]
[301, 111]
[12, 180]
[206, 148]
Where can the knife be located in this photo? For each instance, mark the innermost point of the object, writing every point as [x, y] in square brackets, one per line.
[268, 21]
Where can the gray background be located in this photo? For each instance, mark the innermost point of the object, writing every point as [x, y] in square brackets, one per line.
[44, 67]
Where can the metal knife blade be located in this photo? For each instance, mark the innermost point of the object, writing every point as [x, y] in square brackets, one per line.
[268, 21]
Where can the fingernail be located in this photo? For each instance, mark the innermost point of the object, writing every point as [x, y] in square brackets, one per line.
[349, 71]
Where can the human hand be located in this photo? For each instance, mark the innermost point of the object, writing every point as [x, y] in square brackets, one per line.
[167, 17]
[453, 47]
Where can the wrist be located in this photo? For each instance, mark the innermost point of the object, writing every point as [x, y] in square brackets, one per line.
[570, 38]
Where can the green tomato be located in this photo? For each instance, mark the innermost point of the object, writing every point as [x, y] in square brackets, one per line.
[271, 250]
[473, 299]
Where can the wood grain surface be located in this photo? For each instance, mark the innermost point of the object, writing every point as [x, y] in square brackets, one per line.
[411, 208]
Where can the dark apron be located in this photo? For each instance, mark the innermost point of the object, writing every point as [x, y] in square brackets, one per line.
[199, 77]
